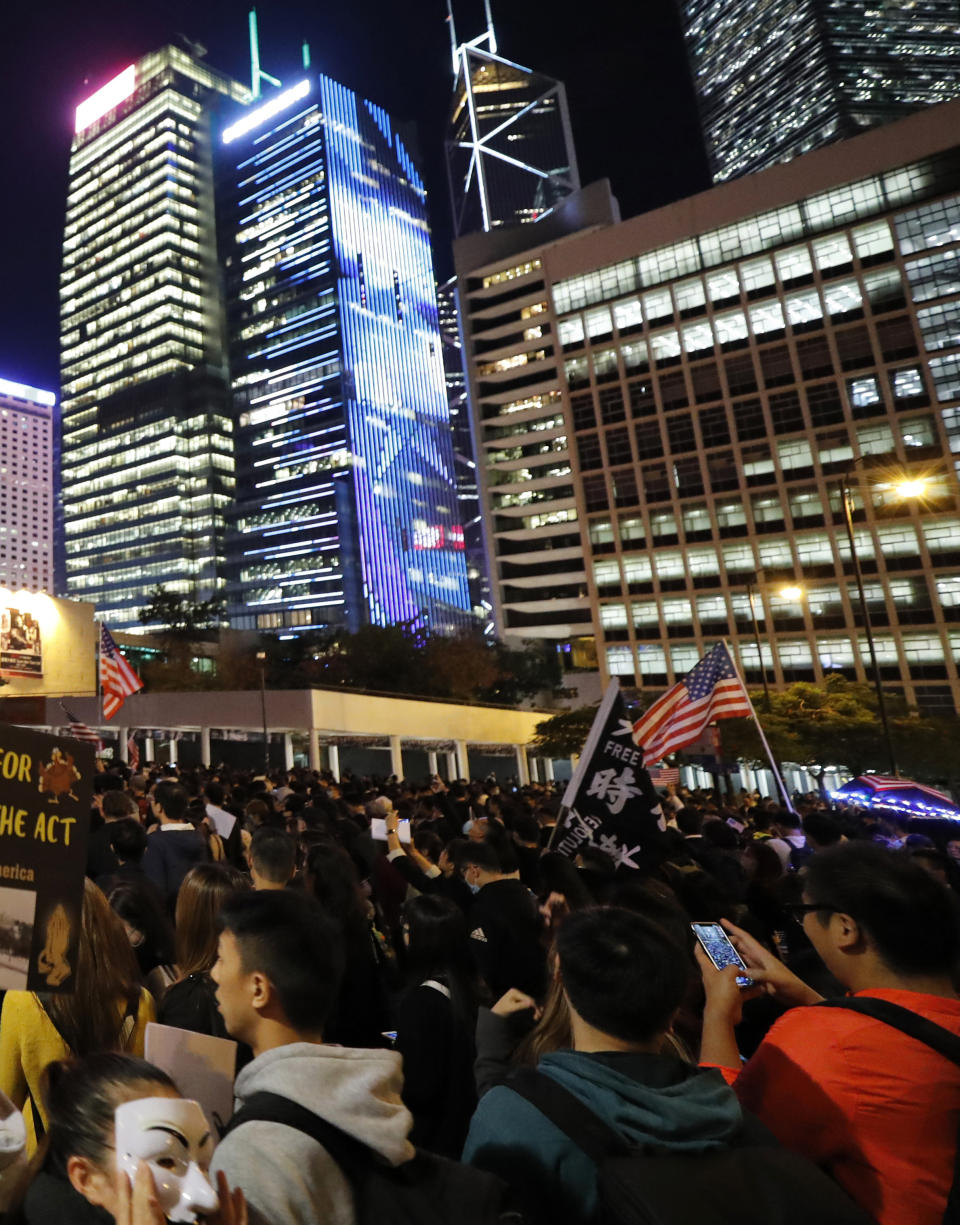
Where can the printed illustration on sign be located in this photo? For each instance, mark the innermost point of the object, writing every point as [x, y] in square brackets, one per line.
[17, 907]
[52, 962]
[20, 646]
[58, 776]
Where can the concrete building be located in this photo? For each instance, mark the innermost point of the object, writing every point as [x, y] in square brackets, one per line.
[28, 446]
[714, 369]
[322, 728]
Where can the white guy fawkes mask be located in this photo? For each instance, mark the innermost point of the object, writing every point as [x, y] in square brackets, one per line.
[172, 1136]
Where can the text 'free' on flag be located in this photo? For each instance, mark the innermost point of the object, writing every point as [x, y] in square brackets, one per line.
[610, 802]
[117, 679]
[711, 690]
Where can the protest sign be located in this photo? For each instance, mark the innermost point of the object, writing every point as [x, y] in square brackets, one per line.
[610, 802]
[46, 791]
[203, 1065]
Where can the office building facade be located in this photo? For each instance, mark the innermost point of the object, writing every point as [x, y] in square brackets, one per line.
[778, 79]
[28, 444]
[147, 463]
[722, 367]
[346, 505]
[524, 467]
[510, 154]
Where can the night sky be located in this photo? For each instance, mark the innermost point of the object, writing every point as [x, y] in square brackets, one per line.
[631, 104]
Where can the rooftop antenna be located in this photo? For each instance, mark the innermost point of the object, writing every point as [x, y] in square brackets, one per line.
[491, 33]
[257, 75]
[306, 54]
[453, 37]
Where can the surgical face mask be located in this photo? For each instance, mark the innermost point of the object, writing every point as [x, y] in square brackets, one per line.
[172, 1136]
[473, 888]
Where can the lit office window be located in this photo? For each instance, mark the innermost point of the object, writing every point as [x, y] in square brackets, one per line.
[619, 661]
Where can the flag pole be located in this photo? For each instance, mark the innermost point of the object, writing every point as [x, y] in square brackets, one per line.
[763, 739]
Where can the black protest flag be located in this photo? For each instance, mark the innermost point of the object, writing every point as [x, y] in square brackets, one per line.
[610, 802]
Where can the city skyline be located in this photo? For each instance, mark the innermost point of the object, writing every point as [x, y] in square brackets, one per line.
[646, 75]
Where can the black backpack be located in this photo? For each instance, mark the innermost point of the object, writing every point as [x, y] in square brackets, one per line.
[754, 1183]
[428, 1190]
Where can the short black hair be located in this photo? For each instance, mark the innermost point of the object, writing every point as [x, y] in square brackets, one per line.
[214, 792]
[478, 854]
[273, 854]
[689, 820]
[286, 936]
[128, 839]
[173, 799]
[622, 973]
[912, 920]
[822, 828]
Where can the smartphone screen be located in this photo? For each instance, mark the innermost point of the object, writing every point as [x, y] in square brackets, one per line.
[717, 946]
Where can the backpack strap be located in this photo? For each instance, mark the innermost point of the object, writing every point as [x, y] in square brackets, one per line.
[930, 1034]
[910, 1023]
[353, 1157]
[565, 1110]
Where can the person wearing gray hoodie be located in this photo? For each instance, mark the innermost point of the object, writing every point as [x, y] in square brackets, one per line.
[277, 973]
[624, 979]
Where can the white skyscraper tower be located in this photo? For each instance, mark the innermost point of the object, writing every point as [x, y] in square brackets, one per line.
[27, 440]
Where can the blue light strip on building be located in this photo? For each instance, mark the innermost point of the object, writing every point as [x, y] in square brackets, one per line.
[333, 261]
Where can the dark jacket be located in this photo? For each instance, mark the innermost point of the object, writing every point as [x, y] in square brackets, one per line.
[101, 860]
[170, 855]
[505, 938]
[438, 1050]
[52, 1199]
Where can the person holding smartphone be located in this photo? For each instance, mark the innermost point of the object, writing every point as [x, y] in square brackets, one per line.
[872, 1105]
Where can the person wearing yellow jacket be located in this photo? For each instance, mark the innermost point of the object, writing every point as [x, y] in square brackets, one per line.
[107, 1011]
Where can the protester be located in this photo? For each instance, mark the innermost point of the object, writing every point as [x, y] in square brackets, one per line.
[623, 979]
[107, 1010]
[190, 1003]
[149, 931]
[174, 848]
[361, 1012]
[77, 1181]
[876, 1108]
[504, 925]
[272, 856]
[436, 1022]
[277, 975]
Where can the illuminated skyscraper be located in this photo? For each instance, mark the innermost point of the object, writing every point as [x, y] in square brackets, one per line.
[27, 450]
[147, 440]
[346, 502]
[778, 78]
[510, 154]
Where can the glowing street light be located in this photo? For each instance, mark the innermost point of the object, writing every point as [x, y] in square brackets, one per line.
[791, 593]
[916, 488]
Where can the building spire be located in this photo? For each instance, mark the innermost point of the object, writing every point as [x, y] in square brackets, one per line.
[453, 38]
[491, 33]
[257, 75]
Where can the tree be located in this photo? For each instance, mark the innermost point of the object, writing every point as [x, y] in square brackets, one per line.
[177, 619]
[837, 723]
[564, 734]
[180, 624]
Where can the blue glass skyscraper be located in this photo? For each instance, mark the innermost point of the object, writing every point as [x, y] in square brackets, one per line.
[346, 504]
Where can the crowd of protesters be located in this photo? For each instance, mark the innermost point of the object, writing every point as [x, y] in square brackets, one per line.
[409, 969]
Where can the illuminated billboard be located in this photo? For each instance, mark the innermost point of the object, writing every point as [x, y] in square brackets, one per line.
[106, 98]
[21, 646]
[48, 647]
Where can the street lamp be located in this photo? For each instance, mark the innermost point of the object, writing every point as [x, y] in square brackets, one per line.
[791, 593]
[846, 499]
[262, 660]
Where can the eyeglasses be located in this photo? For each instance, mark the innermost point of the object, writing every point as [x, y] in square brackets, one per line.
[799, 910]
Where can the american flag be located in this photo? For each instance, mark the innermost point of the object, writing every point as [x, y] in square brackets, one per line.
[79, 730]
[711, 690]
[133, 754]
[664, 776]
[117, 679]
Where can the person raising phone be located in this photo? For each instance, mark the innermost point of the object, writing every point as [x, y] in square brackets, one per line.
[875, 1107]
